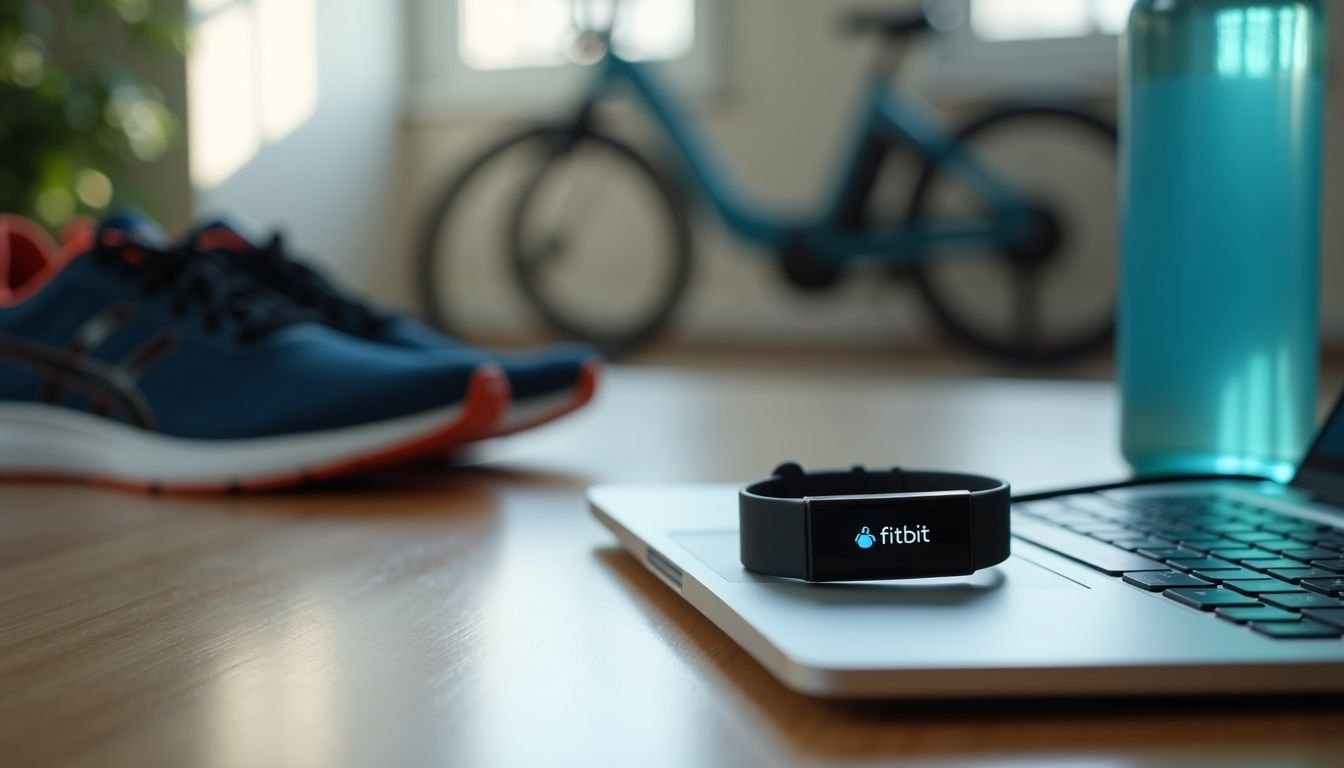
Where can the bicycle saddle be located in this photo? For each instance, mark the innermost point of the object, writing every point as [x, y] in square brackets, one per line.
[889, 24]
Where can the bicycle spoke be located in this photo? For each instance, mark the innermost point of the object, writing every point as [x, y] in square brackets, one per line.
[575, 209]
[541, 255]
[576, 203]
[1026, 305]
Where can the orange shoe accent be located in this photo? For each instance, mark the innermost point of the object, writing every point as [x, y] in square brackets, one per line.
[77, 235]
[25, 259]
[221, 240]
[588, 376]
[485, 404]
[29, 258]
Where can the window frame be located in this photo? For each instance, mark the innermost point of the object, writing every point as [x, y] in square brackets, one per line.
[440, 85]
[960, 65]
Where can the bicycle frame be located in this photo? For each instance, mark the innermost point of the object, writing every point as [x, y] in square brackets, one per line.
[887, 118]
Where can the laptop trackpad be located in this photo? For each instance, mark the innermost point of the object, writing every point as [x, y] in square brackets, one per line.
[718, 549]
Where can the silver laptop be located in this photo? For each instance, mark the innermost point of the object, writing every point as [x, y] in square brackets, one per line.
[1183, 588]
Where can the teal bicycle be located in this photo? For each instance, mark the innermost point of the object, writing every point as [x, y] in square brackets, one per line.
[1011, 247]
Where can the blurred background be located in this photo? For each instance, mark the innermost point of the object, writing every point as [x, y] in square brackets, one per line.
[341, 121]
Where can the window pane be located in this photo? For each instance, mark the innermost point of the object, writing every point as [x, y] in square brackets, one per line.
[501, 34]
[1110, 15]
[510, 34]
[1018, 20]
[656, 29]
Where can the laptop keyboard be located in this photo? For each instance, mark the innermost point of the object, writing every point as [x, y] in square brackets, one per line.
[1279, 575]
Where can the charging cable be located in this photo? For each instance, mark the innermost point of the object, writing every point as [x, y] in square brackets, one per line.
[1134, 483]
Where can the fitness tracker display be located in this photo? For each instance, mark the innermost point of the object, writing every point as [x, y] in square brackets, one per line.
[858, 525]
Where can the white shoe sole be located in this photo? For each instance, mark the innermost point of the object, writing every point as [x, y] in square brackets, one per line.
[45, 441]
[548, 408]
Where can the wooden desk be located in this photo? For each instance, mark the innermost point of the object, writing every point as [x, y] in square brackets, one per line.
[481, 617]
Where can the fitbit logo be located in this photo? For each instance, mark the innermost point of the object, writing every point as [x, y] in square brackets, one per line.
[905, 534]
[892, 535]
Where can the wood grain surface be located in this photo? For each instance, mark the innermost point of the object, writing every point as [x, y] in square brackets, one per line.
[477, 615]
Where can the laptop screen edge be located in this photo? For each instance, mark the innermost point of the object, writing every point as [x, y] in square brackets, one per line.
[1321, 472]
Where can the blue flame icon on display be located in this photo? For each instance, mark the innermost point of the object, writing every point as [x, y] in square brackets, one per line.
[865, 539]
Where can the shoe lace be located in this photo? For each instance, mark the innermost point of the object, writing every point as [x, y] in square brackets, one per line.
[309, 288]
[225, 298]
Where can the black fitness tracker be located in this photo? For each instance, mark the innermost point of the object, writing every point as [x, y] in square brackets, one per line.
[857, 525]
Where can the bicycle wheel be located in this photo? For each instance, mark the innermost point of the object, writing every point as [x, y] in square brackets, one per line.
[623, 242]
[1049, 296]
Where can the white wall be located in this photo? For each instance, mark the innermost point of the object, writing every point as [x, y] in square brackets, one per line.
[323, 169]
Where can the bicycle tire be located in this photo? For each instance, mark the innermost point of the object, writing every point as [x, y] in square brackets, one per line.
[1097, 335]
[432, 257]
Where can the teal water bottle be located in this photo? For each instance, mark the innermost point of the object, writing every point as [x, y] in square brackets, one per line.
[1221, 155]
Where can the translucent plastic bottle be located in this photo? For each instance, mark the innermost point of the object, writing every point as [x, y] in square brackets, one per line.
[1221, 151]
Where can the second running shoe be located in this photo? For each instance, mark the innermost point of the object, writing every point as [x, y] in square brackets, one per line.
[544, 385]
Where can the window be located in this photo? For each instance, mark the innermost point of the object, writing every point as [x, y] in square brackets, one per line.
[524, 55]
[1016, 20]
[512, 34]
[995, 48]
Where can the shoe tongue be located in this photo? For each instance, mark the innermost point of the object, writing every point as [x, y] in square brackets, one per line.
[220, 235]
[131, 227]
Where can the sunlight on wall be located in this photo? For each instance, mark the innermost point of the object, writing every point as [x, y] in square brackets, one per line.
[252, 80]
[287, 33]
[223, 131]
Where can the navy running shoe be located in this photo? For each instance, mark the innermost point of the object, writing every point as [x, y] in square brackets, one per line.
[131, 364]
[543, 385]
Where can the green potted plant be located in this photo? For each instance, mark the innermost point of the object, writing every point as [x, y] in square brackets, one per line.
[74, 119]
